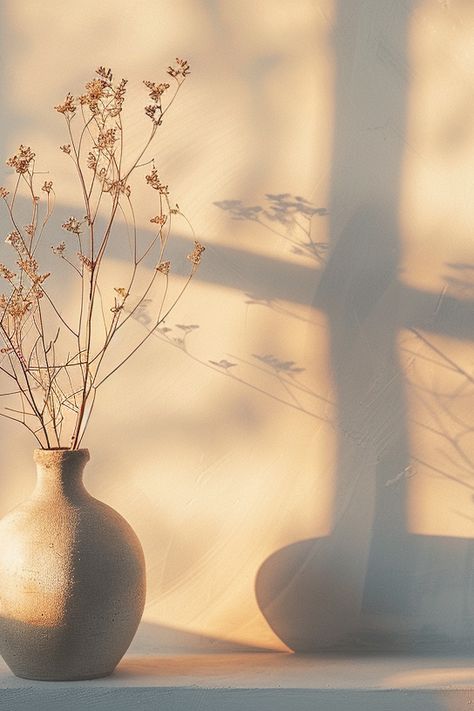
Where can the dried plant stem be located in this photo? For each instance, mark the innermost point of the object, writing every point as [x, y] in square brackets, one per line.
[58, 391]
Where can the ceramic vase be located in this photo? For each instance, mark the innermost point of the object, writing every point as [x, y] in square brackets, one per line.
[72, 577]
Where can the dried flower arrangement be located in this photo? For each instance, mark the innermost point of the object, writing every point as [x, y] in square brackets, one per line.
[55, 364]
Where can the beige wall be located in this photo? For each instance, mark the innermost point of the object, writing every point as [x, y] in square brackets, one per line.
[278, 500]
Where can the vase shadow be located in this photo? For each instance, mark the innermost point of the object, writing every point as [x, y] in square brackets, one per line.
[314, 604]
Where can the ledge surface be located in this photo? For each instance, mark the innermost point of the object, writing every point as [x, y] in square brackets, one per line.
[256, 681]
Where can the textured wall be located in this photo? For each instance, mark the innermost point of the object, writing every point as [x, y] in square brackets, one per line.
[299, 467]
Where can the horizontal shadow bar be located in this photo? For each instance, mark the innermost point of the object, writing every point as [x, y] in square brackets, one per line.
[270, 279]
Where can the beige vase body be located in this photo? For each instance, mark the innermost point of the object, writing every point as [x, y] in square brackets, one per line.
[72, 577]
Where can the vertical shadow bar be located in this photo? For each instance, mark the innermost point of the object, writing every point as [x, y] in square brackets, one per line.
[326, 593]
[360, 292]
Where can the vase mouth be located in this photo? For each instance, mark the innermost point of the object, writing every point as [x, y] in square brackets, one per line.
[59, 454]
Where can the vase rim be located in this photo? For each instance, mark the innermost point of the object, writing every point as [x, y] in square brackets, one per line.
[59, 454]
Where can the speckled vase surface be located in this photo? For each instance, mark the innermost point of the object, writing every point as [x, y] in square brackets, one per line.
[72, 577]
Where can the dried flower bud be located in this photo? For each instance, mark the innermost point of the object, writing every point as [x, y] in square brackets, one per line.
[47, 186]
[29, 266]
[40, 278]
[6, 273]
[106, 139]
[72, 225]
[67, 107]
[164, 267]
[121, 291]
[22, 160]
[119, 97]
[151, 113]
[195, 256]
[29, 229]
[88, 263]
[181, 69]
[106, 74]
[59, 249]
[159, 219]
[66, 148]
[94, 90]
[101, 97]
[154, 182]
[156, 90]
[13, 239]
[4, 192]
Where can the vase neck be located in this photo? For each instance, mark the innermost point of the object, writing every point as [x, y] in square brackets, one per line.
[59, 471]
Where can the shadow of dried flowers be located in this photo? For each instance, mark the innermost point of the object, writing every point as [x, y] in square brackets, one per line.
[440, 416]
[287, 216]
[281, 371]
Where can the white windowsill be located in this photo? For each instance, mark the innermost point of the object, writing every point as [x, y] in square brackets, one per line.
[260, 681]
